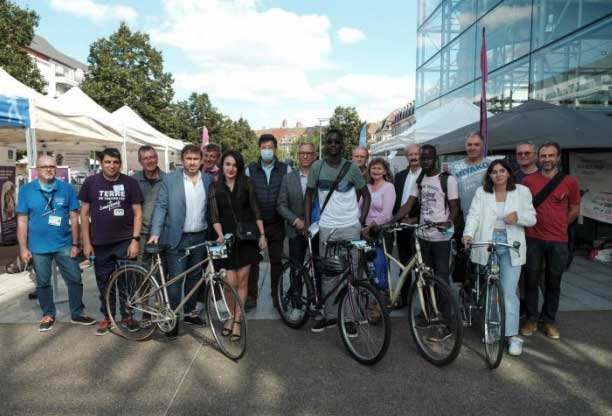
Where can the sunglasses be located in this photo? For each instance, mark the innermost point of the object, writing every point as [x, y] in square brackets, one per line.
[524, 153]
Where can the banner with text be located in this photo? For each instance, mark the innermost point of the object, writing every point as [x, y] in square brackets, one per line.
[8, 205]
[593, 172]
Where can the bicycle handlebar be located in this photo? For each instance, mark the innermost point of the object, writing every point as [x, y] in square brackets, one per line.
[399, 226]
[515, 246]
[229, 238]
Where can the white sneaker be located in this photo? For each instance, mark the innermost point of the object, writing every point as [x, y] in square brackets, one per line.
[516, 346]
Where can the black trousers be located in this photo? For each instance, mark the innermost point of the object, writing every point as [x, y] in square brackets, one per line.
[105, 263]
[436, 254]
[405, 249]
[555, 256]
[275, 234]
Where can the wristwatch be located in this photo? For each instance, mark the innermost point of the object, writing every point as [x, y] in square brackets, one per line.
[137, 238]
[77, 245]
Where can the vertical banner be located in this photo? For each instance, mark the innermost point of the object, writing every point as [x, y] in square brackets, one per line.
[484, 131]
[8, 205]
[363, 135]
[205, 138]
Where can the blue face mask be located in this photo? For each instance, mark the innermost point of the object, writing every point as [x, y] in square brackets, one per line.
[267, 155]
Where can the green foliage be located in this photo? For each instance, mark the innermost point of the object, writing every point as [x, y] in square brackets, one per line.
[313, 139]
[347, 120]
[16, 32]
[126, 70]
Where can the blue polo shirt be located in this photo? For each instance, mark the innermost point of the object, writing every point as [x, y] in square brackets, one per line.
[40, 206]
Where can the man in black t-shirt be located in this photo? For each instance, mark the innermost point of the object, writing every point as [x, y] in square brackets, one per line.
[111, 220]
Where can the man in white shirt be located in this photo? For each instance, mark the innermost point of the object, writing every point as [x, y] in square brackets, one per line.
[179, 220]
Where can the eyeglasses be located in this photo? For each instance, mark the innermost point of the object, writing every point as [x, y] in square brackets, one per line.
[47, 167]
[306, 153]
[333, 141]
[524, 153]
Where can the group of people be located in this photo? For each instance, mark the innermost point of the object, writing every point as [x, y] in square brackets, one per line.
[215, 193]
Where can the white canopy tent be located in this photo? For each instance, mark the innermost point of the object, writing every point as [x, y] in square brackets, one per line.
[129, 117]
[52, 126]
[76, 99]
[455, 114]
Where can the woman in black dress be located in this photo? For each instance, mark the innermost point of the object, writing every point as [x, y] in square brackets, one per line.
[233, 198]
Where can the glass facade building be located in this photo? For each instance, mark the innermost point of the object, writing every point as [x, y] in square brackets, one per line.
[558, 51]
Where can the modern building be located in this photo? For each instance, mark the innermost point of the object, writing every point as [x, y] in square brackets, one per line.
[59, 71]
[558, 51]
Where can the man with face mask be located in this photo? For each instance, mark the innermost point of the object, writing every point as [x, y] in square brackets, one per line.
[266, 176]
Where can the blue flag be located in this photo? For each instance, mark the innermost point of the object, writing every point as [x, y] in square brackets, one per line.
[363, 135]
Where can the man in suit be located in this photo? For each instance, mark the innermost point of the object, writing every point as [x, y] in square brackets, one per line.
[404, 181]
[179, 220]
[291, 202]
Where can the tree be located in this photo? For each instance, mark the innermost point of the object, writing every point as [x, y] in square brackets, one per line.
[16, 33]
[346, 119]
[190, 115]
[312, 139]
[126, 70]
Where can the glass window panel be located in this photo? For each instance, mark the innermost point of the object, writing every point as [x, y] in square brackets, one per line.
[508, 30]
[429, 39]
[428, 81]
[467, 93]
[420, 112]
[555, 18]
[576, 72]
[425, 8]
[507, 87]
[458, 16]
[458, 61]
[486, 5]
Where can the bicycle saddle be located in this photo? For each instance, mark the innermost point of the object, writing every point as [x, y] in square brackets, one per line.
[155, 248]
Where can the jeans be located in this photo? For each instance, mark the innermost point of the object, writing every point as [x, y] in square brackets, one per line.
[509, 281]
[275, 234]
[178, 263]
[555, 255]
[328, 283]
[71, 273]
[107, 258]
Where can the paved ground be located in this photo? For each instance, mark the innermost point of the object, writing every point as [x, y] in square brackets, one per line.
[286, 372]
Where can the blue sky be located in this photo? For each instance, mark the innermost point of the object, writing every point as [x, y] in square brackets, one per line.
[265, 60]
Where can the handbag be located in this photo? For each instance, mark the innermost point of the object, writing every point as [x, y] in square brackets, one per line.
[245, 230]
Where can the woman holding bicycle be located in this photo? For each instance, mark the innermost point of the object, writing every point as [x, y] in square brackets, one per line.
[233, 205]
[500, 211]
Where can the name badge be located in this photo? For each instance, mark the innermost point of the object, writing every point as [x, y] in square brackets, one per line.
[118, 188]
[55, 221]
[118, 212]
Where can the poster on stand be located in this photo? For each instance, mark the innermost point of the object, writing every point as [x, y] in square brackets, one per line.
[593, 171]
[8, 205]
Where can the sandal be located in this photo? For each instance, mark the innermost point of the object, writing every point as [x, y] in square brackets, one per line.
[235, 337]
[226, 332]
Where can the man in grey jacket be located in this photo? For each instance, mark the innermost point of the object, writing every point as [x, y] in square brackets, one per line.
[291, 202]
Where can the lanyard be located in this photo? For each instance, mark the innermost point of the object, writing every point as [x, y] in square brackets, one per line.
[49, 208]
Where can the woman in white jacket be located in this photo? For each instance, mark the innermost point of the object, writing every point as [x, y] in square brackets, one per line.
[500, 211]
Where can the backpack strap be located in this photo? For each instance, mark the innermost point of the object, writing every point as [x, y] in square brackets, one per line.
[548, 189]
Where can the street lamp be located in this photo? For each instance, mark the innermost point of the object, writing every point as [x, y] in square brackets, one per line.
[321, 120]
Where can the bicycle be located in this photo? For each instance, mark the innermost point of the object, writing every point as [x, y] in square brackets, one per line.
[434, 317]
[363, 322]
[145, 305]
[487, 294]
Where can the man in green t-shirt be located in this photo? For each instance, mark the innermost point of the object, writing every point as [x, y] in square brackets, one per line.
[341, 215]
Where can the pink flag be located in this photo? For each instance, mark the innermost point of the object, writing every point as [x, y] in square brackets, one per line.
[204, 136]
[483, 96]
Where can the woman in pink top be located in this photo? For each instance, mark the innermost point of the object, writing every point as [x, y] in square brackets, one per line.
[382, 192]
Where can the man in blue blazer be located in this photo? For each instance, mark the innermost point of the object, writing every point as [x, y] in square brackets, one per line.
[179, 220]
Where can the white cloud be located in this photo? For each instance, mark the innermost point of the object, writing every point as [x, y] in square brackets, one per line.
[99, 13]
[350, 35]
[265, 64]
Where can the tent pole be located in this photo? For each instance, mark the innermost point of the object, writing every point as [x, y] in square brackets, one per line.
[125, 156]
[166, 162]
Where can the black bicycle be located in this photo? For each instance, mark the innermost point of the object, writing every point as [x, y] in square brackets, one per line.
[364, 324]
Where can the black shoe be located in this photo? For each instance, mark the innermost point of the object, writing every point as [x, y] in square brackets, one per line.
[173, 334]
[83, 320]
[351, 329]
[194, 320]
[46, 323]
[441, 333]
[323, 324]
[33, 295]
[250, 304]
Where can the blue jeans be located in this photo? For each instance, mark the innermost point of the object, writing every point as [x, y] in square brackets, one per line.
[71, 273]
[178, 263]
[509, 281]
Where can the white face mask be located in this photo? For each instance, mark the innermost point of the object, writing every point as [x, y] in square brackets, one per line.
[267, 155]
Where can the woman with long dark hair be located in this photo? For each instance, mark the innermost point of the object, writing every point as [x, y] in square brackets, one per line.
[232, 200]
[500, 211]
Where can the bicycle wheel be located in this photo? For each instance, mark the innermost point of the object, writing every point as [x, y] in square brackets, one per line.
[138, 300]
[225, 310]
[364, 324]
[292, 294]
[494, 324]
[435, 321]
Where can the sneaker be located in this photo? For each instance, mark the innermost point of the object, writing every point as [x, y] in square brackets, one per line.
[323, 324]
[296, 314]
[441, 333]
[529, 328]
[516, 346]
[551, 331]
[83, 320]
[46, 323]
[33, 295]
[130, 324]
[193, 319]
[250, 304]
[420, 322]
[173, 334]
[104, 327]
[351, 329]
